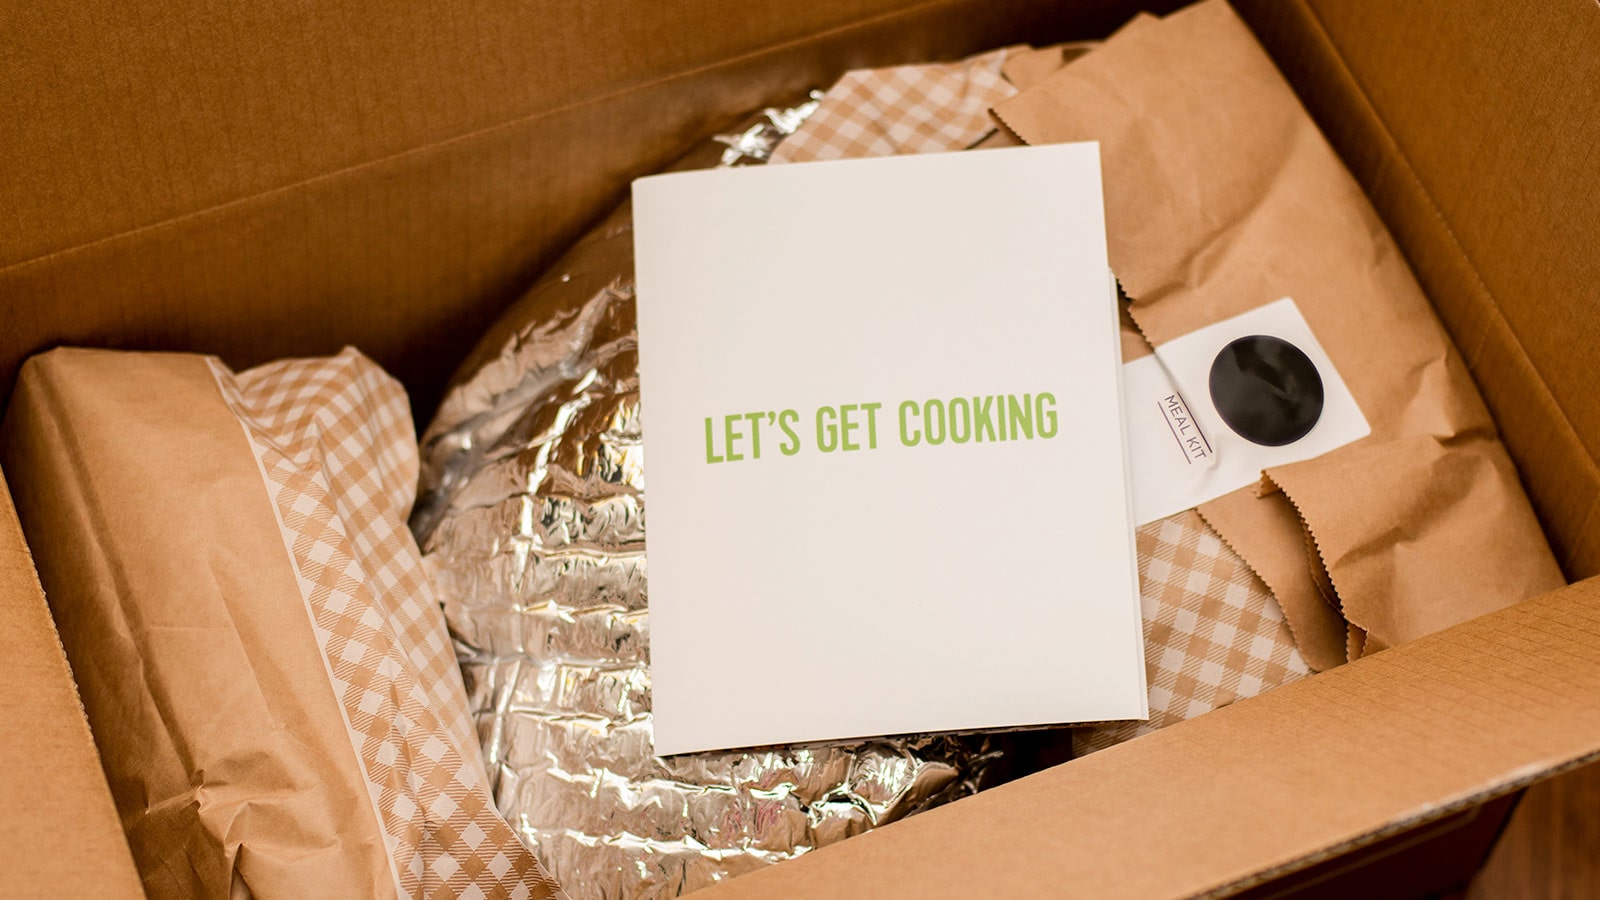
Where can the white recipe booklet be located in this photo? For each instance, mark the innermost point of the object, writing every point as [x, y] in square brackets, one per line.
[888, 490]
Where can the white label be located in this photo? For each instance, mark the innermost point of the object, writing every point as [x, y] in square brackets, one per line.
[1182, 452]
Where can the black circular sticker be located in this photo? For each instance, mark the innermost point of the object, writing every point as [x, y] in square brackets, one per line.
[1266, 389]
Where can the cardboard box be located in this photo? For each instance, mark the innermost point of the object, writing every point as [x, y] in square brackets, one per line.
[390, 176]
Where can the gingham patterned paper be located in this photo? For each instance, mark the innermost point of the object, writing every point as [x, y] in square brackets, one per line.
[334, 441]
[901, 110]
[1212, 632]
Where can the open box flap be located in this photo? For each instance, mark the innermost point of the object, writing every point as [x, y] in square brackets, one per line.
[59, 835]
[1260, 788]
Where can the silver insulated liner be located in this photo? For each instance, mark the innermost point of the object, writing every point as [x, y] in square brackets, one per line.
[532, 518]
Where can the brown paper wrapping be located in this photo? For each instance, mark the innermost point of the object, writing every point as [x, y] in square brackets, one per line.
[1221, 196]
[186, 663]
[267, 675]
[1027, 66]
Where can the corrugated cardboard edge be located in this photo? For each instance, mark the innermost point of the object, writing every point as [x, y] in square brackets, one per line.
[60, 835]
[1400, 826]
[1265, 787]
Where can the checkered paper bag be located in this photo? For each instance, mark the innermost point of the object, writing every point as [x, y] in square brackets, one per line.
[1212, 632]
[338, 456]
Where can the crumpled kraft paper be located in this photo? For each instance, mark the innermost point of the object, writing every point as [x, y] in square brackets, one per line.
[259, 654]
[1221, 196]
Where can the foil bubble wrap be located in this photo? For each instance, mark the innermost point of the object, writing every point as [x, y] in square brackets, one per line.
[531, 517]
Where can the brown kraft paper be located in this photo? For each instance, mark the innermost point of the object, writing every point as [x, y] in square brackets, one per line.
[1222, 196]
[264, 668]
[1025, 67]
[185, 663]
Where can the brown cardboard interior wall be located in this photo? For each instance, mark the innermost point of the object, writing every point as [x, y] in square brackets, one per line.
[376, 173]
[179, 178]
[1475, 129]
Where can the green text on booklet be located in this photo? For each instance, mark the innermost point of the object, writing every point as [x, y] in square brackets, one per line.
[883, 424]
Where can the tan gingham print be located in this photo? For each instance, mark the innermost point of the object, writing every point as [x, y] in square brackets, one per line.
[335, 444]
[901, 110]
[1213, 633]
